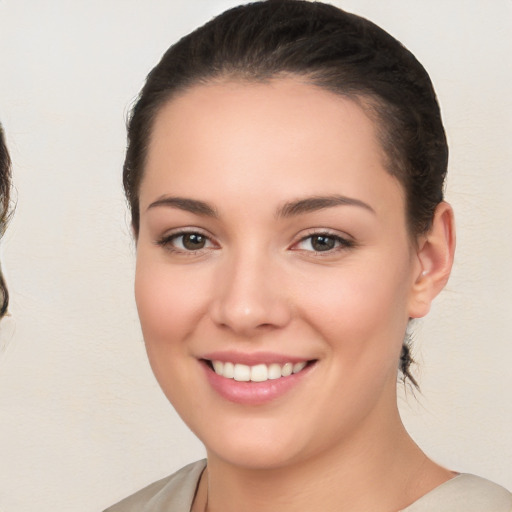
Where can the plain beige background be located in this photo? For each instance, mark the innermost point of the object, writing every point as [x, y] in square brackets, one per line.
[82, 421]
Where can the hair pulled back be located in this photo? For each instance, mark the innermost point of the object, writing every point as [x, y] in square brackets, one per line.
[324, 46]
[5, 189]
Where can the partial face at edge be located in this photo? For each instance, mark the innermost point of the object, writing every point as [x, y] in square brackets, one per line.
[239, 260]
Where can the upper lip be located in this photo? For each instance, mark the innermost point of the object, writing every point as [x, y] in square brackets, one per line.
[254, 358]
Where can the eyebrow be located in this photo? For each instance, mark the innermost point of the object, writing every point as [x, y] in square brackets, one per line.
[289, 209]
[189, 205]
[315, 203]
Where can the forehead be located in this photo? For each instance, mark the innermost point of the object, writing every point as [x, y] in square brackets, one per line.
[283, 131]
[272, 104]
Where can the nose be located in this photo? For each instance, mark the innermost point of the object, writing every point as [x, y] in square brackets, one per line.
[250, 296]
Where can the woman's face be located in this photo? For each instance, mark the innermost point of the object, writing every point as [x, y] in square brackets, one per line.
[273, 240]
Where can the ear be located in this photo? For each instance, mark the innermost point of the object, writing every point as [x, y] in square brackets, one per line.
[434, 255]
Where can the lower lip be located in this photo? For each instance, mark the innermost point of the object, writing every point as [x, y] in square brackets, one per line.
[253, 393]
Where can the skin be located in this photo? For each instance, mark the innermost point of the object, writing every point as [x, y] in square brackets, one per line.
[250, 151]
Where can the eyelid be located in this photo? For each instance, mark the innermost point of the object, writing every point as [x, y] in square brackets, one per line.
[166, 239]
[345, 241]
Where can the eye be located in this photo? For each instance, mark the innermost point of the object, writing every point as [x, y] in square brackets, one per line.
[322, 242]
[189, 241]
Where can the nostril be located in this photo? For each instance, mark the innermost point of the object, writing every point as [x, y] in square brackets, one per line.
[265, 326]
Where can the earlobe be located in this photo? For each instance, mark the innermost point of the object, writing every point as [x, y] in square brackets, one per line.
[435, 253]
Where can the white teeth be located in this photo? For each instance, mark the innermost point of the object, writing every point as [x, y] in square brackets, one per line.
[259, 373]
[256, 373]
[218, 366]
[274, 371]
[287, 370]
[297, 367]
[229, 370]
[242, 373]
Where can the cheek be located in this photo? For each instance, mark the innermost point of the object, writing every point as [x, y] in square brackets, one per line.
[169, 306]
[168, 303]
[360, 312]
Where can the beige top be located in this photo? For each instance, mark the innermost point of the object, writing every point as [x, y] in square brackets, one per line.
[464, 493]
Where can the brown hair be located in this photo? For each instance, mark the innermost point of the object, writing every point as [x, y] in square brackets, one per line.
[5, 189]
[327, 47]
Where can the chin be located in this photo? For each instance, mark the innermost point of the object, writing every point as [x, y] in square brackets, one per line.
[254, 457]
[253, 447]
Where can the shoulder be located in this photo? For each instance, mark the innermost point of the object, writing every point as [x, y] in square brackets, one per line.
[465, 493]
[176, 490]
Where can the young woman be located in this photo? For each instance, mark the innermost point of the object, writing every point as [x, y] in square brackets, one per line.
[285, 173]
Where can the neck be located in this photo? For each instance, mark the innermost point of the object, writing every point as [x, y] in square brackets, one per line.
[378, 469]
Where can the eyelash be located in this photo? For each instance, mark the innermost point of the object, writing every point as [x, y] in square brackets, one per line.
[167, 242]
[340, 243]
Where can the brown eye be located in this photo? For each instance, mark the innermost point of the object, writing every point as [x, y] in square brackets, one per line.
[323, 243]
[186, 242]
[193, 241]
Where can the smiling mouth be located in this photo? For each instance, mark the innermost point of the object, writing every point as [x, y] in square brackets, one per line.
[258, 372]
